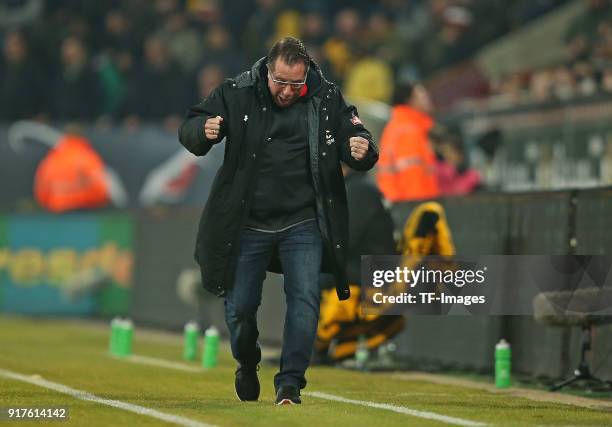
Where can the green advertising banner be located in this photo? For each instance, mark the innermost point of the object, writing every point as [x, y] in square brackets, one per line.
[70, 264]
[3, 255]
[115, 298]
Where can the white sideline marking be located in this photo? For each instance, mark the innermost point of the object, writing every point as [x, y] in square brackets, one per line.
[394, 408]
[145, 360]
[398, 409]
[83, 395]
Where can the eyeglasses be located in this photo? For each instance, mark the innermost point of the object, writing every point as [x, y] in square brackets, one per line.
[282, 83]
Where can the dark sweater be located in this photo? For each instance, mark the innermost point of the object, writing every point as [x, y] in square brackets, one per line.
[284, 195]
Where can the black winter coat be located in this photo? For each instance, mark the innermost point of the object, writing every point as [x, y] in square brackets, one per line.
[245, 105]
[371, 226]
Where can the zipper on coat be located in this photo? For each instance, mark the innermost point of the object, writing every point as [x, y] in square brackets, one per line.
[313, 144]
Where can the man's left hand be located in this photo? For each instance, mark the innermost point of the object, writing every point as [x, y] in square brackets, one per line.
[359, 147]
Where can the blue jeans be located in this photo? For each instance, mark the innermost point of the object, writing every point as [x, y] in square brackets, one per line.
[300, 252]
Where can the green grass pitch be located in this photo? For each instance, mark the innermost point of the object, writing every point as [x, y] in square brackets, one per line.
[75, 354]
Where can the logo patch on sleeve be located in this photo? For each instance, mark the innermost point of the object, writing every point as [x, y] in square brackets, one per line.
[355, 120]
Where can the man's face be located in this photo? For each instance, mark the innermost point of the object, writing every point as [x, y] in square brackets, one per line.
[286, 81]
[421, 100]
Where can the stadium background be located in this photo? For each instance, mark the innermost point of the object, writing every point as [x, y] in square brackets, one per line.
[534, 77]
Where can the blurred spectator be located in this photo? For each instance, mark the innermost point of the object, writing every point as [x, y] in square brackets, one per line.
[211, 11]
[219, 50]
[602, 48]
[412, 19]
[416, 26]
[164, 9]
[541, 85]
[449, 43]
[142, 18]
[259, 29]
[454, 175]
[582, 31]
[21, 84]
[511, 89]
[586, 81]
[209, 77]
[559, 83]
[313, 29]
[369, 78]
[81, 20]
[76, 92]
[119, 48]
[208, 11]
[406, 168]
[234, 22]
[379, 32]
[352, 39]
[186, 45]
[314, 33]
[379, 38]
[337, 48]
[370, 224]
[487, 157]
[112, 84]
[287, 24]
[606, 80]
[371, 232]
[589, 45]
[118, 35]
[564, 83]
[156, 89]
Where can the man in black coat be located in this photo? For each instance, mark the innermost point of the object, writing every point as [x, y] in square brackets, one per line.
[278, 202]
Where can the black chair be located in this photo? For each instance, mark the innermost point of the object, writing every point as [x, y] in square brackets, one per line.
[583, 308]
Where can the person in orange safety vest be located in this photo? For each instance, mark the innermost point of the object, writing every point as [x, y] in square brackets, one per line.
[406, 167]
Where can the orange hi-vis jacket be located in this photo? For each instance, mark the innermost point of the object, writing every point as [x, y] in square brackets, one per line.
[406, 167]
[71, 176]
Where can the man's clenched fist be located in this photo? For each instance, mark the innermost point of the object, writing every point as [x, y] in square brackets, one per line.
[212, 127]
[359, 147]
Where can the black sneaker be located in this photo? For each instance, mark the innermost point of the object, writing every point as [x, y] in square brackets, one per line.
[247, 383]
[288, 395]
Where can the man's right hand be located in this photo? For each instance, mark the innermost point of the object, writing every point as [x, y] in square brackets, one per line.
[212, 127]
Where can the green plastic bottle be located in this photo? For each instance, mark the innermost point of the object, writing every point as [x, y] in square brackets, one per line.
[191, 335]
[129, 337]
[362, 354]
[124, 338]
[211, 348]
[503, 356]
